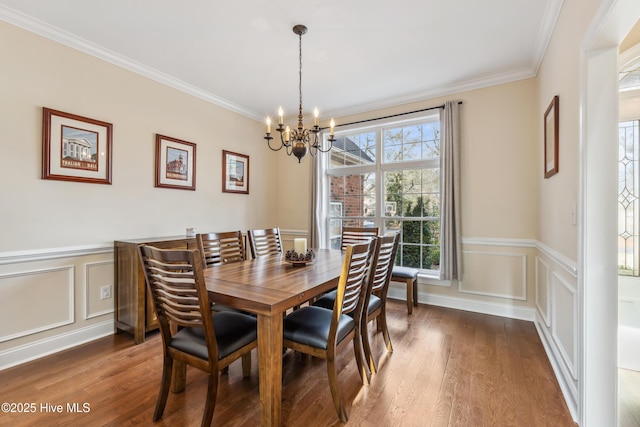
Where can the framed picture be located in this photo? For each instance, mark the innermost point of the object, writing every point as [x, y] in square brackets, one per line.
[175, 163]
[75, 148]
[235, 172]
[551, 117]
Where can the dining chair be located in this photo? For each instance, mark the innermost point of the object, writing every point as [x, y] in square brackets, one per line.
[353, 235]
[190, 332]
[408, 276]
[265, 242]
[375, 296]
[322, 333]
[221, 248]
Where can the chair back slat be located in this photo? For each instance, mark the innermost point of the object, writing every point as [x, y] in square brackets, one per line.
[265, 242]
[353, 280]
[355, 235]
[221, 248]
[383, 262]
[176, 286]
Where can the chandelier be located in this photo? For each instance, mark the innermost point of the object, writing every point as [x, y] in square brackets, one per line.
[299, 141]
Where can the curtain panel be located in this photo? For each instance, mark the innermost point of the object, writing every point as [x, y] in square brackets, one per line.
[450, 234]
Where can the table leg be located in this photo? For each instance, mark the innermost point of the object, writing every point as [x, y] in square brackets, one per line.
[270, 366]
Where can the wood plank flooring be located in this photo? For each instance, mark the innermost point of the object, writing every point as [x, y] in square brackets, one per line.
[448, 368]
[629, 398]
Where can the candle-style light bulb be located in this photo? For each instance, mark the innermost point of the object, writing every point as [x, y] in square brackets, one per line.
[315, 116]
[332, 124]
[287, 134]
[280, 115]
[268, 124]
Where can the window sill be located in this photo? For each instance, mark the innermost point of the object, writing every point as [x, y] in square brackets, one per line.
[433, 278]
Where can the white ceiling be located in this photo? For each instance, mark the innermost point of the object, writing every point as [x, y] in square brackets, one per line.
[357, 55]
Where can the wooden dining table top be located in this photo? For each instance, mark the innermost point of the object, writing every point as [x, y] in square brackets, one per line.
[269, 285]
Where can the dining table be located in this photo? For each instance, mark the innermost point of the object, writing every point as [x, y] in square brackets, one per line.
[268, 286]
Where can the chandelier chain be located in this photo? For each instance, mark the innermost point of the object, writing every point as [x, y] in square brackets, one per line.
[300, 70]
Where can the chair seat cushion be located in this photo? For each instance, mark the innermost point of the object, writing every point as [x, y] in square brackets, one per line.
[233, 331]
[404, 272]
[374, 303]
[327, 300]
[310, 326]
[219, 308]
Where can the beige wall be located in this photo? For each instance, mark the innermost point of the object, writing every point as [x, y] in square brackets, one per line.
[56, 237]
[500, 161]
[37, 213]
[560, 74]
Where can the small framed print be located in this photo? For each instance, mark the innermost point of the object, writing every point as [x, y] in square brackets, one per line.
[175, 163]
[75, 148]
[235, 172]
[551, 119]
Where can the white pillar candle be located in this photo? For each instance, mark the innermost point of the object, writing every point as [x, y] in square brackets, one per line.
[300, 246]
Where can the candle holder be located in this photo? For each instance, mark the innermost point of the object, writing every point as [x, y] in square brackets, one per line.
[299, 259]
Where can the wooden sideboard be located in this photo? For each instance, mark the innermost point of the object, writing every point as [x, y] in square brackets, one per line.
[134, 311]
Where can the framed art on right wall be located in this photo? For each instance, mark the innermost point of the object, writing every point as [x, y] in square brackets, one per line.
[551, 118]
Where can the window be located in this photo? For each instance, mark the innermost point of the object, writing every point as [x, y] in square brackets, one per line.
[388, 176]
[628, 193]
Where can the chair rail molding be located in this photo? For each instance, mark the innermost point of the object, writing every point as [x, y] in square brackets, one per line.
[15, 257]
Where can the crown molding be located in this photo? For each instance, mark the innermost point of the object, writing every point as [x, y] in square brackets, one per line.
[551, 15]
[481, 83]
[51, 32]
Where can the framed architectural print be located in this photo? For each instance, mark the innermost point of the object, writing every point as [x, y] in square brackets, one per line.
[75, 148]
[551, 117]
[175, 163]
[235, 172]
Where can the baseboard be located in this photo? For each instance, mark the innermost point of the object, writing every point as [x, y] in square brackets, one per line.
[35, 350]
[502, 310]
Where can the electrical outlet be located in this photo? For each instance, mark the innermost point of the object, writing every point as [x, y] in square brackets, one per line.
[105, 292]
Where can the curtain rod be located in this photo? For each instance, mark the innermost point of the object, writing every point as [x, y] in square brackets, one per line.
[391, 116]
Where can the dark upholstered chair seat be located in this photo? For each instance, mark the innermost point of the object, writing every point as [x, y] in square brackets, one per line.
[310, 326]
[374, 303]
[233, 331]
[328, 299]
[404, 272]
[221, 308]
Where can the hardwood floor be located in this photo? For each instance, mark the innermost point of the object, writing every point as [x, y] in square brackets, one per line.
[448, 368]
[629, 398]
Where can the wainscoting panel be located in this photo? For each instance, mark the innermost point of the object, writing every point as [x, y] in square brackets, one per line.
[564, 323]
[543, 300]
[98, 275]
[557, 295]
[496, 274]
[46, 294]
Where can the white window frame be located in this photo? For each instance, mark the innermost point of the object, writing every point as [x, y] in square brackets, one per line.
[379, 168]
